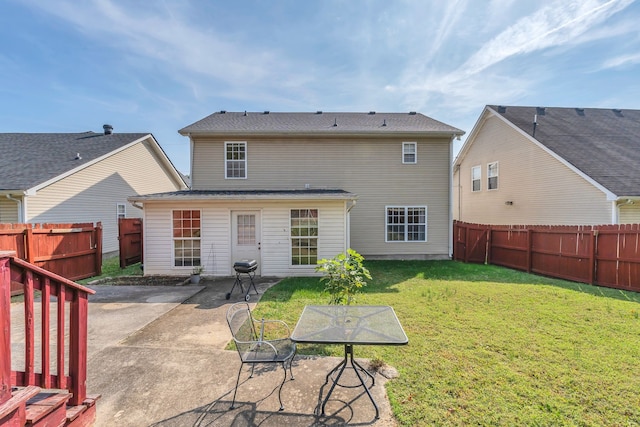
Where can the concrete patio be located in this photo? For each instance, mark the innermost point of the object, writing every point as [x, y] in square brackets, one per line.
[156, 355]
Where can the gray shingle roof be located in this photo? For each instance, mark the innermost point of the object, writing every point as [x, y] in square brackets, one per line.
[602, 143]
[318, 122]
[313, 193]
[29, 159]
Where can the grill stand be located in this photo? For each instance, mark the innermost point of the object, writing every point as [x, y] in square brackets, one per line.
[250, 271]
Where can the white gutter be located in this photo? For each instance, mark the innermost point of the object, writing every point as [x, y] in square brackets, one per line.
[450, 199]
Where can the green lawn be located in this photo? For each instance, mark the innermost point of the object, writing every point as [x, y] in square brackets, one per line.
[492, 346]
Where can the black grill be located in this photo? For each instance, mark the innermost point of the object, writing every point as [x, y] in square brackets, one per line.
[248, 267]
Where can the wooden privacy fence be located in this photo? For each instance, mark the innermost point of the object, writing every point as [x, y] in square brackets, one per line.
[605, 255]
[73, 251]
[130, 241]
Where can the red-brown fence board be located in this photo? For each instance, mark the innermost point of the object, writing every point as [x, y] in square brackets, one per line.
[606, 255]
[130, 241]
[73, 251]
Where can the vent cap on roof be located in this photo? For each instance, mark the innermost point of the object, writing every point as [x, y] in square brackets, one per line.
[108, 129]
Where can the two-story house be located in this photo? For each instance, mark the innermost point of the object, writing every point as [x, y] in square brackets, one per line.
[550, 166]
[288, 189]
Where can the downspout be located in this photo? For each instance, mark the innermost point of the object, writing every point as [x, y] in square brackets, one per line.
[450, 198]
[20, 210]
[615, 215]
[136, 205]
[348, 224]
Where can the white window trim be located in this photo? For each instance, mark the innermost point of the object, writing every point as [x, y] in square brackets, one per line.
[495, 176]
[415, 152]
[478, 167]
[304, 266]
[386, 224]
[124, 210]
[173, 239]
[246, 170]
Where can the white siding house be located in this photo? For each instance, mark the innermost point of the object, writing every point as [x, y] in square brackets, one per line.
[314, 185]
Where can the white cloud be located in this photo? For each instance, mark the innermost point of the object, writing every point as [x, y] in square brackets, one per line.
[472, 82]
[168, 37]
[559, 23]
[620, 61]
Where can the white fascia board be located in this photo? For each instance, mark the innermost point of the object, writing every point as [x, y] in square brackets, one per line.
[166, 160]
[486, 113]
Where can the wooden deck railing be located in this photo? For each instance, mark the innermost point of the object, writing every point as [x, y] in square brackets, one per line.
[54, 331]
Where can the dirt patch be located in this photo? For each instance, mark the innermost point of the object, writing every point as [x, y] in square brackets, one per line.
[142, 281]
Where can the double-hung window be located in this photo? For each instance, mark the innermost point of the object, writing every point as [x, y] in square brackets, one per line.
[186, 238]
[492, 176]
[409, 153]
[476, 178]
[406, 224]
[304, 236]
[121, 210]
[235, 164]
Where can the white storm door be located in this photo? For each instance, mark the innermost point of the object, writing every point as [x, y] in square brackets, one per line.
[245, 236]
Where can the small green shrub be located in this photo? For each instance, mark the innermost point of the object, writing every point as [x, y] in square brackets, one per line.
[344, 275]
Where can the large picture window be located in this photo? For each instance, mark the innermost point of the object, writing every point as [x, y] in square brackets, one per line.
[492, 176]
[235, 166]
[186, 238]
[476, 178]
[406, 224]
[304, 236]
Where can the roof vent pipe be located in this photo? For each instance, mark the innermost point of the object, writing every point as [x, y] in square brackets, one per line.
[535, 124]
[108, 129]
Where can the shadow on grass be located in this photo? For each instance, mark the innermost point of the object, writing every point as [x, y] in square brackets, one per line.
[386, 274]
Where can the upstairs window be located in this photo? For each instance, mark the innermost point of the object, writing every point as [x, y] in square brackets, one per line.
[121, 211]
[409, 153]
[406, 224]
[235, 165]
[476, 177]
[492, 176]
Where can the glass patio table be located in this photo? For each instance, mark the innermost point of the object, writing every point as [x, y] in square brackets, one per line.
[349, 325]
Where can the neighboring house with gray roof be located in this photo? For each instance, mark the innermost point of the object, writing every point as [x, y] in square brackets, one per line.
[80, 177]
[555, 166]
[288, 189]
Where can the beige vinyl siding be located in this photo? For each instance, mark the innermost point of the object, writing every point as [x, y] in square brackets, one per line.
[91, 194]
[8, 210]
[543, 190]
[370, 168]
[216, 236]
[630, 213]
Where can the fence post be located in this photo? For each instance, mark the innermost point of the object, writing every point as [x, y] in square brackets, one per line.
[98, 230]
[466, 243]
[593, 262]
[28, 244]
[78, 347]
[5, 328]
[529, 250]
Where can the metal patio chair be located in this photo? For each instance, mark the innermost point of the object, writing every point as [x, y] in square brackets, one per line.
[260, 341]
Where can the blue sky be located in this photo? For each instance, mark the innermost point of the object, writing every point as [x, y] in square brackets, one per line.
[158, 66]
